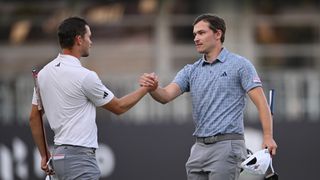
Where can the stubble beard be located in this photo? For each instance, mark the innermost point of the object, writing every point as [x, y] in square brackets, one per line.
[85, 53]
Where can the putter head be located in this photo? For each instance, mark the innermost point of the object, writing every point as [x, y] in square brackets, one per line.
[272, 176]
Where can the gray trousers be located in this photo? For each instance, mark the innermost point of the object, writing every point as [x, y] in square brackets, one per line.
[74, 162]
[218, 161]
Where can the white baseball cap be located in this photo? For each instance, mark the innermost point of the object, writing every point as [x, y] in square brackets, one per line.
[258, 162]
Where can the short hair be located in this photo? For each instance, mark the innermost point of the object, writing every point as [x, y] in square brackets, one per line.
[69, 29]
[215, 23]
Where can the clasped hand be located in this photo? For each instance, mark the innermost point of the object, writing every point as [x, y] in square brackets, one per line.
[149, 80]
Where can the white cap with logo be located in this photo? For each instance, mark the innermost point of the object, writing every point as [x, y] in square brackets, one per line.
[258, 162]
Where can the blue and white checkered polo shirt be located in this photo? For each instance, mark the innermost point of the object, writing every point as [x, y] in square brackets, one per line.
[218, 92]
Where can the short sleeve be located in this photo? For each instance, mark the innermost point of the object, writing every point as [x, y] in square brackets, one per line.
[249, 76]
[95, 90]
[34, 97]
[183, 79]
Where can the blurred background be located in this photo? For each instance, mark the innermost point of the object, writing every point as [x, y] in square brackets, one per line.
[130, 37]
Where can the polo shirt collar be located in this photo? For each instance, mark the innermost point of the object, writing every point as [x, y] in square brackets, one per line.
[70, 60]
[222, 57]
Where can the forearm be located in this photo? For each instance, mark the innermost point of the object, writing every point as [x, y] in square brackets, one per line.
[259, 99]
[266, 121]
[160, 95]
[38, 137]
[128, 101]
[166, 94]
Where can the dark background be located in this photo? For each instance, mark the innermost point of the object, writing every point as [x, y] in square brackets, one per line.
[160, 151]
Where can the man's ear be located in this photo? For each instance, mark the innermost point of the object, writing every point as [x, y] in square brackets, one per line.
[218, 34]
[78, 40]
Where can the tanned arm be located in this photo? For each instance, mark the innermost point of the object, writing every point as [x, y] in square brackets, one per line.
[259, 99]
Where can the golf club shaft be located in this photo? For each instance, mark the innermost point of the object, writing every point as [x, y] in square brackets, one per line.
[271, 100]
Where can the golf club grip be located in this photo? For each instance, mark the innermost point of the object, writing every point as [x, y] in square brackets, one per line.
[271, 100]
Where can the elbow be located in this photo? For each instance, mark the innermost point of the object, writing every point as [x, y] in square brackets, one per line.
[163, 99]
[118, 112]
[115, 107]
[163, 102]
[31, 119]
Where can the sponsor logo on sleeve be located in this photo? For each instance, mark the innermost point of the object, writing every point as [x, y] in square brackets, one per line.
[105, 94]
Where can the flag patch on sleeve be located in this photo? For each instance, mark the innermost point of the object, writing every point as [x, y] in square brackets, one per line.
[256, 79]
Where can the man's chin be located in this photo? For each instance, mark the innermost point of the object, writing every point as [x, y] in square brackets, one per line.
[200, 51]
[85, 55]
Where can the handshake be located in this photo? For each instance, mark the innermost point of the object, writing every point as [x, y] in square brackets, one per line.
[149, 80]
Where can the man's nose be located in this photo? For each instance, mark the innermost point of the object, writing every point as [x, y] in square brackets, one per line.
[195, 39]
